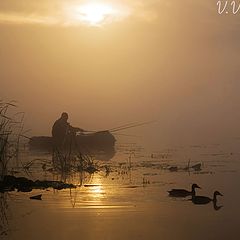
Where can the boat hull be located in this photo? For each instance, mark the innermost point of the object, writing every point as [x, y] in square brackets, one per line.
[95, 143]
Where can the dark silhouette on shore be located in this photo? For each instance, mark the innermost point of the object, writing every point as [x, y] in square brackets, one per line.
[22, 184]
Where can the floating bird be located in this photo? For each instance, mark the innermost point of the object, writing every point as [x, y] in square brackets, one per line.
[205, 200]
[197, 167]
[183, 192]
[36, 197]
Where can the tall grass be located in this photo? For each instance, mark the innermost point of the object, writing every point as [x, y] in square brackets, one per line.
[3, 214]
[69, 159]
[11, 130]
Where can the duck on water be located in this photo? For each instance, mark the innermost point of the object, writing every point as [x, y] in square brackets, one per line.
[183, 192]
[205, 200]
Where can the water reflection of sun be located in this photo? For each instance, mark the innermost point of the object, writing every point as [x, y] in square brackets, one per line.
[97, 191]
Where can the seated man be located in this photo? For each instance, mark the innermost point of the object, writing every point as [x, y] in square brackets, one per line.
[61, 129]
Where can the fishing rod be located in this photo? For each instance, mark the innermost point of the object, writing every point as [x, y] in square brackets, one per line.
[113, 129]
[133, 126]
[125, 125]
[126, 135]
[120, 128]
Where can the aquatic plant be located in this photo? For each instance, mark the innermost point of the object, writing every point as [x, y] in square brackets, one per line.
[66, 161]
[11, 130]
[3, 214]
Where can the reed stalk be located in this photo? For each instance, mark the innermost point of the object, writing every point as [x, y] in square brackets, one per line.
[11, 129]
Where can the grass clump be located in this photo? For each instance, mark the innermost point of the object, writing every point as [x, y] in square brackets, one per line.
[11, 130]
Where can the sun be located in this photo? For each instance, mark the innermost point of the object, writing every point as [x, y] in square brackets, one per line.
[94, 13]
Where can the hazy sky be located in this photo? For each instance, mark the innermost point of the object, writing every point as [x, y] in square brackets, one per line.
[173, 61]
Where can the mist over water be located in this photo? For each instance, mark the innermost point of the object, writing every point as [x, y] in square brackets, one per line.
[172, 70]
[175, 63]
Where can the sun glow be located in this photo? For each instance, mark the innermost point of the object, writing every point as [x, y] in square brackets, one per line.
[95, 13]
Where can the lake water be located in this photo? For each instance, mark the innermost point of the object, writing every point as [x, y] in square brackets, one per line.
[128, 199]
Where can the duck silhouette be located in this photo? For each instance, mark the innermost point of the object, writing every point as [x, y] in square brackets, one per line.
[205, 200]
[183, 192]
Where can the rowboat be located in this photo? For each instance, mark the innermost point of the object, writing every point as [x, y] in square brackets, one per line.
[95, 143]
